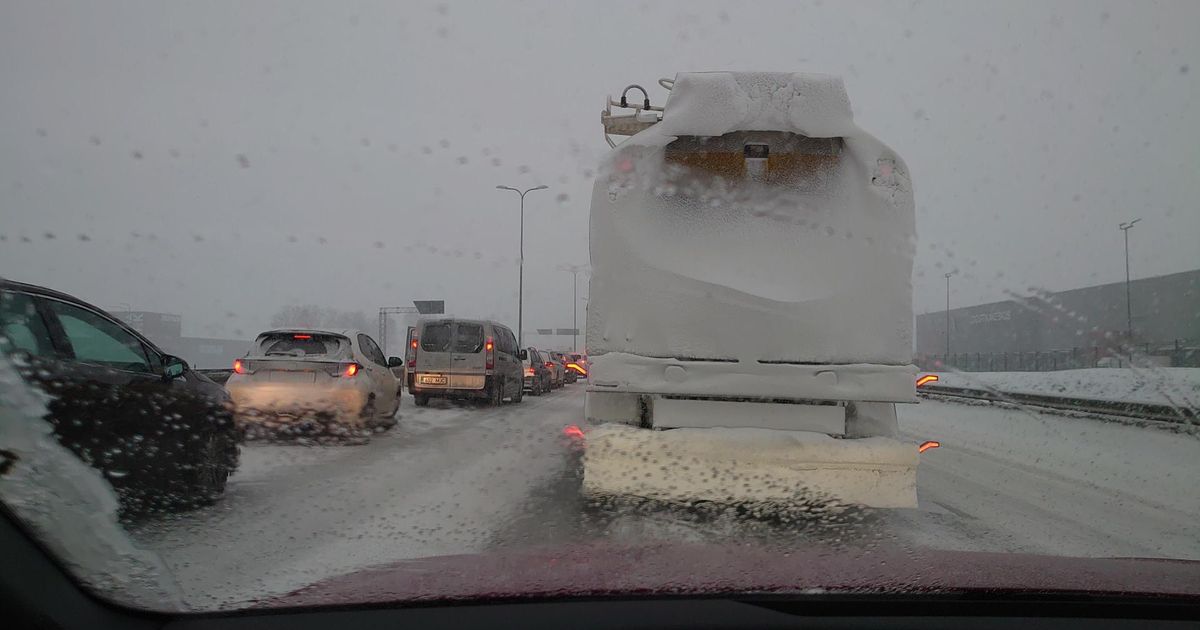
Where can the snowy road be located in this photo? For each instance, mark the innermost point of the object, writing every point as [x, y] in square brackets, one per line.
[452, 480]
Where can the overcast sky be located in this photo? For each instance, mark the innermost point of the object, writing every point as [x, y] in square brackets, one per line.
[219, 160]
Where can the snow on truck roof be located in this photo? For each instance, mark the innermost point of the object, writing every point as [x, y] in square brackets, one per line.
[717, 103]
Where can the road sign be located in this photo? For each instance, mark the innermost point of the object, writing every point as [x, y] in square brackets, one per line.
[430, 307]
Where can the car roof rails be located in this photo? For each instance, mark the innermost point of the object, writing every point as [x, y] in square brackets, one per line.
[643, 117]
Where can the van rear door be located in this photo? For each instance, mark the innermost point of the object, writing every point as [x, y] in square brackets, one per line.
[468, 365]
[433, 356]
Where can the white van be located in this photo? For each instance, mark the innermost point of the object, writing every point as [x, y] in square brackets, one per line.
[465, 358]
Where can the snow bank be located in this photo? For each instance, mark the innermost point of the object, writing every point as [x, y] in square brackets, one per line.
[1179, 387]
[694, 265]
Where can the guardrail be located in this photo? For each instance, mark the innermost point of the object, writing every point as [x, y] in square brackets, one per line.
[218, 375]
[1138, 410]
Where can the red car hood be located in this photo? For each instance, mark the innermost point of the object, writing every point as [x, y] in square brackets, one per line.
[686, 569]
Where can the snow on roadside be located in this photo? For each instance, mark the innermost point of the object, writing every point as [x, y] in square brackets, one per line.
[1164, 386]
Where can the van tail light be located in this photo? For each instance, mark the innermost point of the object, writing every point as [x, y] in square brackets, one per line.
[528, 371]
[350, 369]
[239, 367]
[412, 353]
[489, 348]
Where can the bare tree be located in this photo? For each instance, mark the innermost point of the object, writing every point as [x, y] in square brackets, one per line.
[312, 316]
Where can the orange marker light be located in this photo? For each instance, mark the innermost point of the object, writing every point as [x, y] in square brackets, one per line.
[928, 378]
[925, 446]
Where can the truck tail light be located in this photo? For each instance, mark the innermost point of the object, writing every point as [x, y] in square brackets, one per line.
[489, 348]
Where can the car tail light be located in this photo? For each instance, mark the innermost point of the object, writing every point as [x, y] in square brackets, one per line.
[489, 348]
[573, 432]
[350, 369]
[301, 336]
[549, 364]
[528, 371]
[239, 367]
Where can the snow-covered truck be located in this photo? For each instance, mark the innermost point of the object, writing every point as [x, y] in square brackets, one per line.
[749, 325]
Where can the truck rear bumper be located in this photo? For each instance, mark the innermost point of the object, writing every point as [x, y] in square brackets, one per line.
[749, 465]
[630, 373]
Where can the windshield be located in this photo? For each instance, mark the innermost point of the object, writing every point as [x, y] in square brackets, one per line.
[300, 344]
[878, 296]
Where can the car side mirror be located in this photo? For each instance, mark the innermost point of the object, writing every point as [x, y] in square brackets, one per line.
[395, 362]
[524, 355]
[173, 367]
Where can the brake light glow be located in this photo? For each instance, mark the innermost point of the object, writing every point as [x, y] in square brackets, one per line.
[573, 432]
[928, 378]
[925, 446]
[528, 371]
[414, 343]
[351, 369]
[412, 356]
[549, 364]
[239, 367]
[301, 336]
[489, 348]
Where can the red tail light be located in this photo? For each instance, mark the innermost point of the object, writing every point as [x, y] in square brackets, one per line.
[351, 369]
[549, 364]
[239, 367]
[301, 336]
[489, 347]
[528, 371]
[573, 432]
[412, 354]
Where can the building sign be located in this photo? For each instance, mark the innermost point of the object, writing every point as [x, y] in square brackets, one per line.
[996, 316]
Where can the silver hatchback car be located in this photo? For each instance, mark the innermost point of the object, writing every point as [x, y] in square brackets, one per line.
[465, 358]
[294, 376]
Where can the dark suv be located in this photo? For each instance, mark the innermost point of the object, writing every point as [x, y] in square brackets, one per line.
[160, 433]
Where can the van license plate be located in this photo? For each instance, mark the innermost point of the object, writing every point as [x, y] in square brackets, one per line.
[433, 379]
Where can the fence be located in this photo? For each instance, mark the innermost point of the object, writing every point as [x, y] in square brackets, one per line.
[1178, 353]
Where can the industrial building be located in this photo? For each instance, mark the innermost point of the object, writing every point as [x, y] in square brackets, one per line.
[166, 331]
[1075, 328]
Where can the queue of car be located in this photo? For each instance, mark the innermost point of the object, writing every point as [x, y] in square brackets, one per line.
[167, 437]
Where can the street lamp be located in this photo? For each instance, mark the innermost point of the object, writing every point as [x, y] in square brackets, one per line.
[574, 271]
[948, 274]
[521, 277]
[1125, 227]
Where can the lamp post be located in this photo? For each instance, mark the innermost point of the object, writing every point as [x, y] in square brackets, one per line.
[1125, 227]
[521, 277]
[948, 274]
[574, 271]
